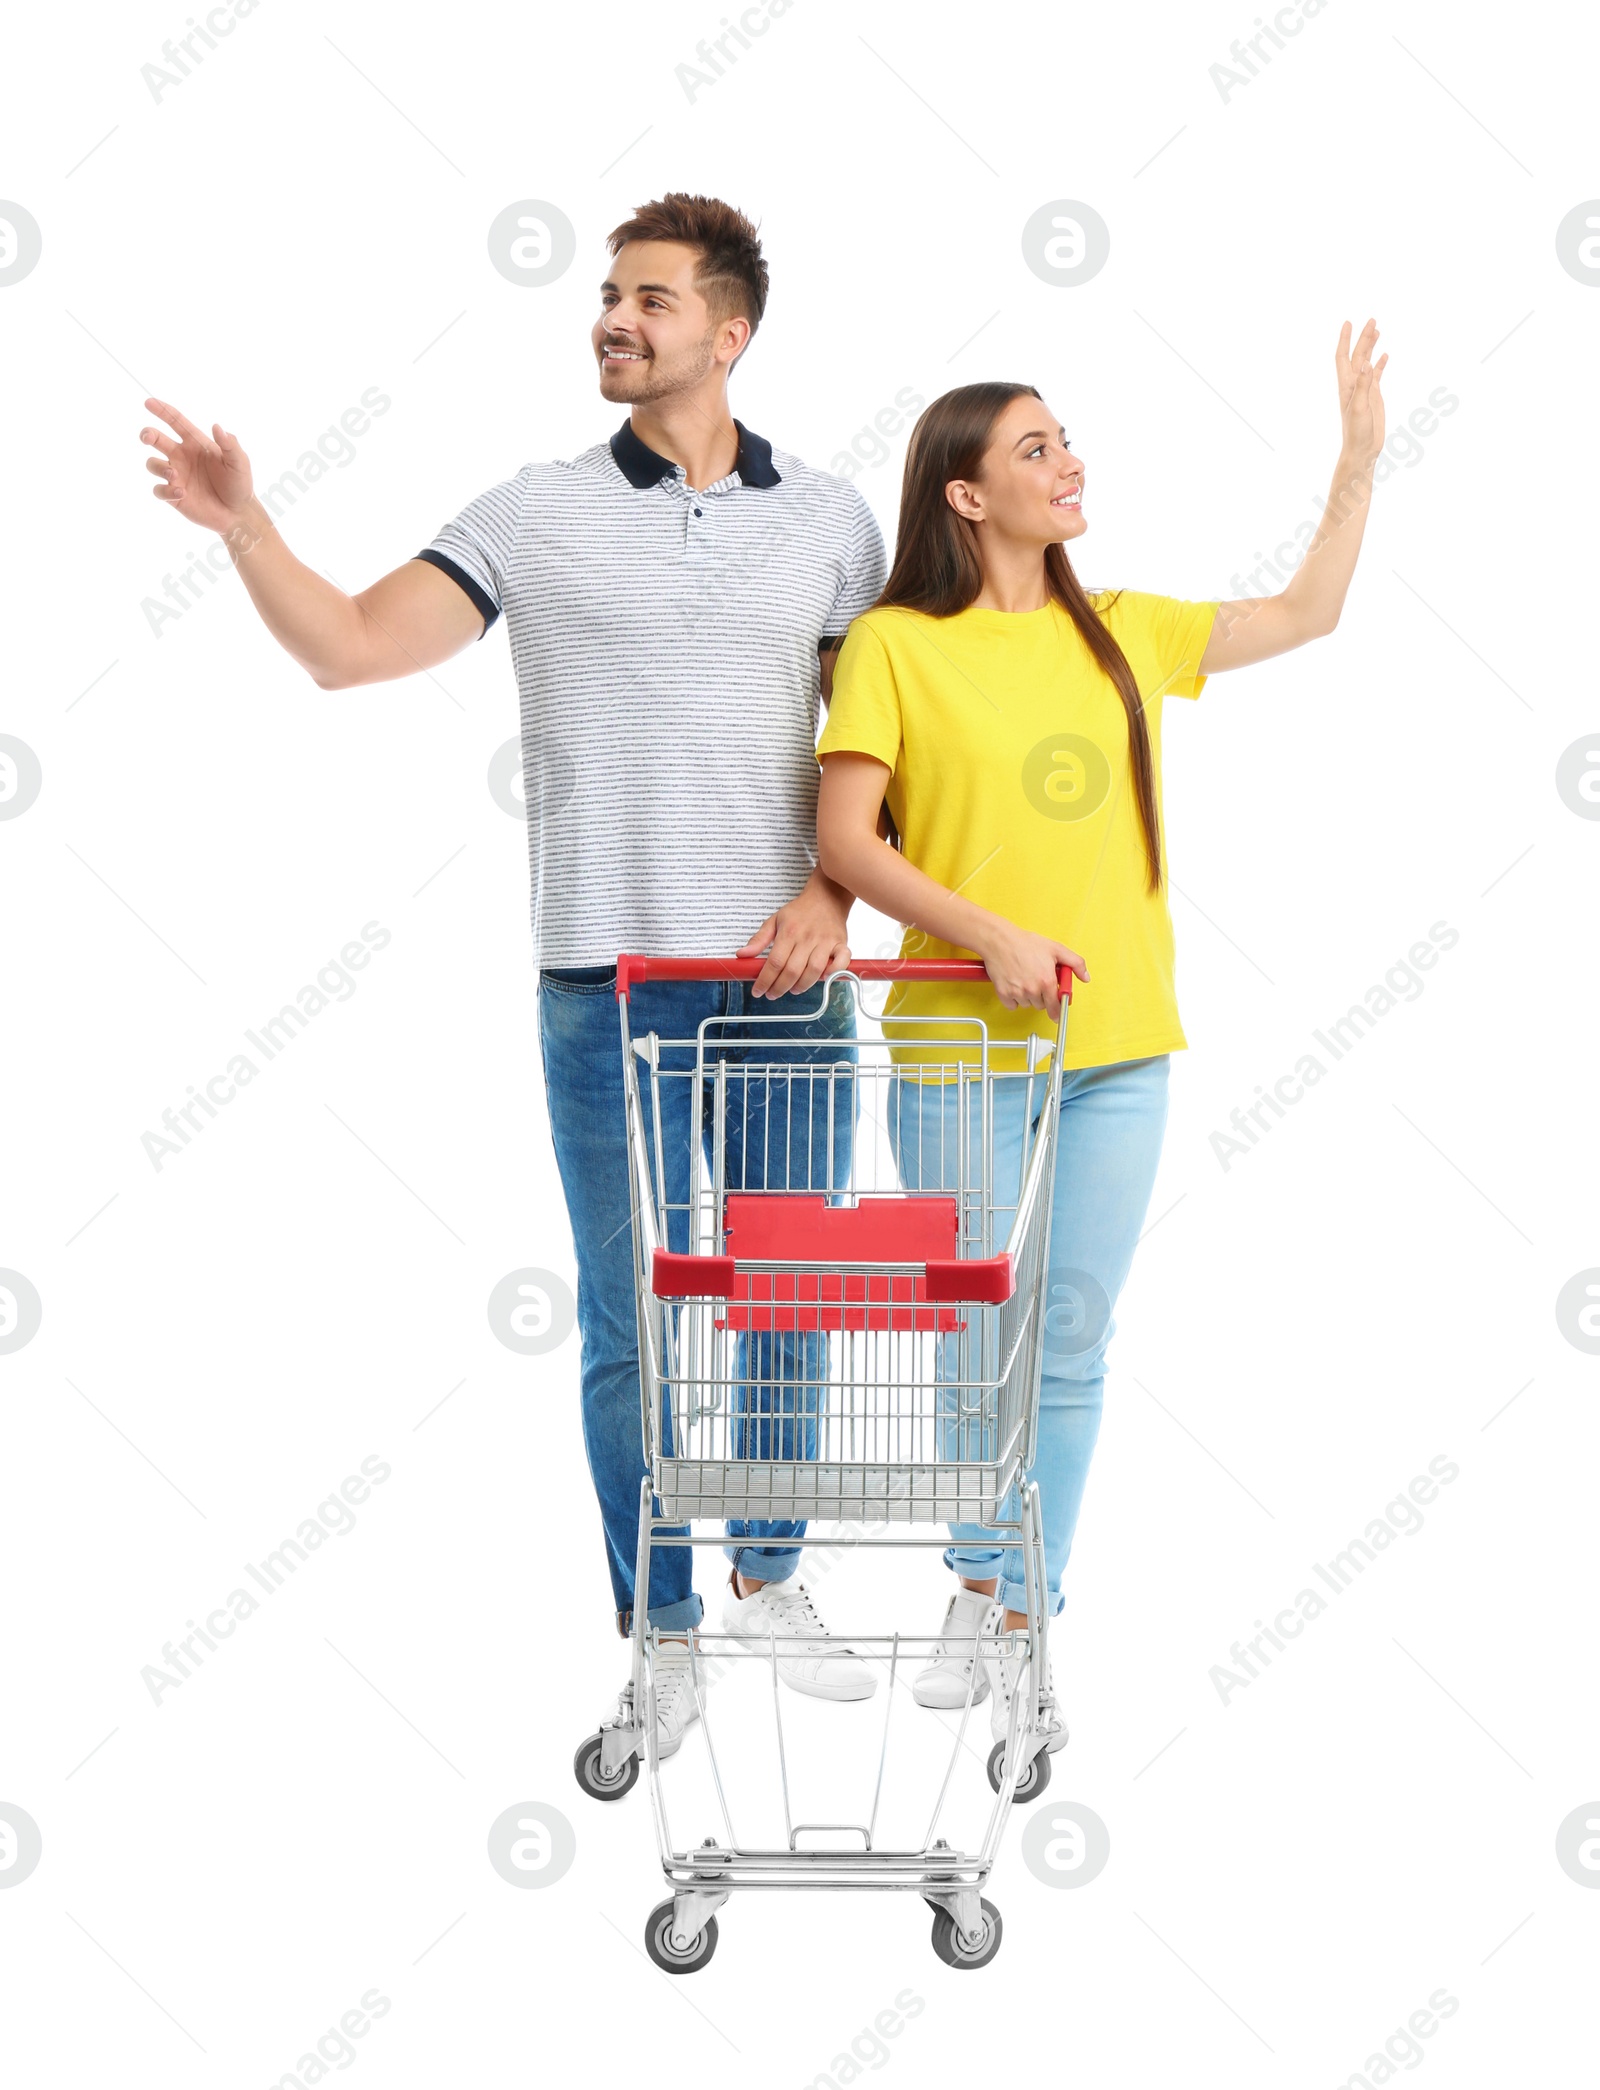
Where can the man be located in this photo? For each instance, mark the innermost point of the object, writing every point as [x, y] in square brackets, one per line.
[674, 598]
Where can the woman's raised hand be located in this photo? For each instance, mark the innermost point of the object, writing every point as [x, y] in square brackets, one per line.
[1022, 967]
[1360, 400]
[205, 477]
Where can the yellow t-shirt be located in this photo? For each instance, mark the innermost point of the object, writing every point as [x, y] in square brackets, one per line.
[1012, 785]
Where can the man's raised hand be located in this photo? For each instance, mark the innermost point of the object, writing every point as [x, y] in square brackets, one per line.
[205, 477]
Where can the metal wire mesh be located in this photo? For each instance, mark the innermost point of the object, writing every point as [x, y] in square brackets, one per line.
[815, 1376]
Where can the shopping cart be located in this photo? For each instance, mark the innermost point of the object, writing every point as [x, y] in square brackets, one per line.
[817, 1343]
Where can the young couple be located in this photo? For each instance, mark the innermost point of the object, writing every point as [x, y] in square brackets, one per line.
[677, 599]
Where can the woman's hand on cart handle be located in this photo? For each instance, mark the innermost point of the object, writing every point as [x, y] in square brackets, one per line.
[1023, 968]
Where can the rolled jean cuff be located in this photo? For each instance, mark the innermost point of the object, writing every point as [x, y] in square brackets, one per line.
[762, 1563]
[1014, 1595]
[985, 1563]
[671, 1618]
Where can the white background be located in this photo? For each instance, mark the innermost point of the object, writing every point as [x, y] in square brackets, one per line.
[1370, 1287]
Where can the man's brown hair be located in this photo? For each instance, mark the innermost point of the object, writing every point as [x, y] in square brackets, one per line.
[732, 275]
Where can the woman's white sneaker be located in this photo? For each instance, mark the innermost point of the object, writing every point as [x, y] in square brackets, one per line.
[969, 1617]
[1008, 1673]
[819, 1666]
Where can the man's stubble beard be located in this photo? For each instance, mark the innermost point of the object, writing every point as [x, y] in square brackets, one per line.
[642, 384]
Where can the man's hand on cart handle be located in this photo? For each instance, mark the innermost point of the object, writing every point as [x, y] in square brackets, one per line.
[1023, 968]
[803, 940]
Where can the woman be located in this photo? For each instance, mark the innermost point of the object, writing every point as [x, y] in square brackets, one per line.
[1013, 722]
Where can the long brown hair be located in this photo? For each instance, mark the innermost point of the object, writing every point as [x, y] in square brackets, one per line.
[937, 569]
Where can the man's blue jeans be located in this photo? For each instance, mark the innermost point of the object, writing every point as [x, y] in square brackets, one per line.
[769, 1146]
[1112, 1122]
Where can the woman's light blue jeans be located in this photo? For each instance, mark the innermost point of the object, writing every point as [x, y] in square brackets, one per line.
[1112, 1122]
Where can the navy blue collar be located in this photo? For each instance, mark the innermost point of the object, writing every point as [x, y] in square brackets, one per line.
[641, 466]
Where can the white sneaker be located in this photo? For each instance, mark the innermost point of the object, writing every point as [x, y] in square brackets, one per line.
[676, 1709]
[823, 1668]
[1008, 1674]
[968, 1618]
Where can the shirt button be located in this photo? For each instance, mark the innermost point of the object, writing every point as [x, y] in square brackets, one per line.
[697, 511]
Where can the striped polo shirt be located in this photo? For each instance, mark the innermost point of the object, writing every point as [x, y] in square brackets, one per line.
[665, 642]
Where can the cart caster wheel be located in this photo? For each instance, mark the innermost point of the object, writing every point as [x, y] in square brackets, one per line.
[658, 1943]
[586, 1769]
[951, 1948]
[1033, 1780]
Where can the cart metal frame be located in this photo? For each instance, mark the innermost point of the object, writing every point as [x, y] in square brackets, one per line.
[904, 1388]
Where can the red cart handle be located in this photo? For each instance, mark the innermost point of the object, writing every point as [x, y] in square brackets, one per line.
[632, 970]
